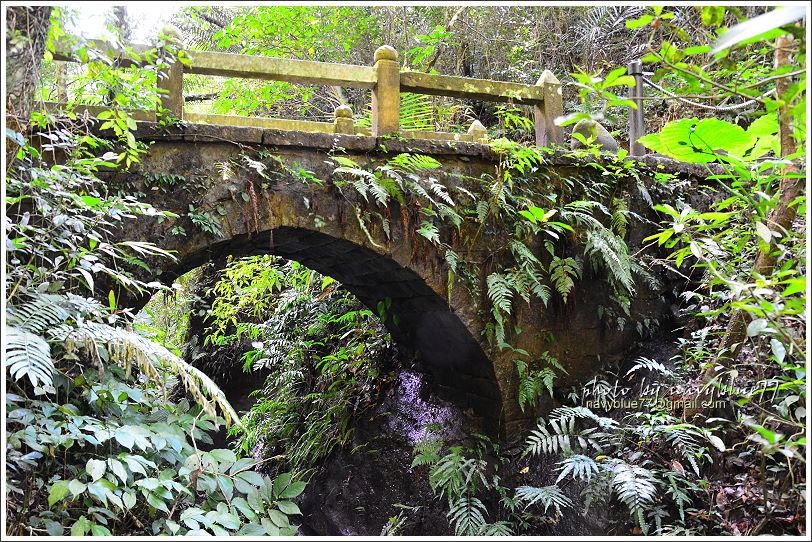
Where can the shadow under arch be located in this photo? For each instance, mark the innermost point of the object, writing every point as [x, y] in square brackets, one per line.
[426, 326]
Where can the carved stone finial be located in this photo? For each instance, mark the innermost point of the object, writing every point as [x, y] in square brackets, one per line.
[476, 126]
[477, 131]
[549, 78]
[343, 112]
[386, 52]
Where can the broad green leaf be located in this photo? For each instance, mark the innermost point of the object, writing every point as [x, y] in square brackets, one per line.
[80, 527]
[795, 286]
[252, 529]
[125, 438]
[54, 528]
[96, 468]
[128, 499]
[717, 442]
[246, 462]
[279, 518]
[224, 518]
[243, 486]
[253, 477]
[76, 487]
[288, 507]
[770, 436]
[242, 505]
[156, 502]
[118, 469]
[57, 491]
[779, 351]
[99, 530]
[764, 232]
[293, 490]
[224, 456]
[637, 23]
[697, 50]
[281, 482]
[692, 140]
[757, 326]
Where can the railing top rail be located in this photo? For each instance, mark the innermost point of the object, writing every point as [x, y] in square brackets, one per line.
[328, 73]
[280, 69]
[474, 89]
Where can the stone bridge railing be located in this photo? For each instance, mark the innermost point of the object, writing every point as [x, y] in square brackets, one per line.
[384, 78]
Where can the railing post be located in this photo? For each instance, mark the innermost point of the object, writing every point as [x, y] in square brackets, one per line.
[344, 122]
[386, 93]
[547, 132]
[636, 125]
[477, 132]
[171, 80]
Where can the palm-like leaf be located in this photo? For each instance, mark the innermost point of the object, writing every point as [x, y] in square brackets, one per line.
[28, 354]
[547, 496]
[127, 349]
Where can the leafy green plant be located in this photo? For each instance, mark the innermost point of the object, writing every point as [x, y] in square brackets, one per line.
[205, 221]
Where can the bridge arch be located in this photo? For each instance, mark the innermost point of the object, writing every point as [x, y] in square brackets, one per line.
[425, 325]
[282, 195]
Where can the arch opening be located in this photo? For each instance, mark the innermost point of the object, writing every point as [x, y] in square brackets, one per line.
[419, 320]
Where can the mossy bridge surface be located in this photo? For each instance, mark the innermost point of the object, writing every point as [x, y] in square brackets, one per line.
[272, 187]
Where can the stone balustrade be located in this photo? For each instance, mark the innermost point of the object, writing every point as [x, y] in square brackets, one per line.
[384, 78]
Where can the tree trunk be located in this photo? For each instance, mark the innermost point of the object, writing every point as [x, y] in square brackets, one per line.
[26, 34]
[780, 220]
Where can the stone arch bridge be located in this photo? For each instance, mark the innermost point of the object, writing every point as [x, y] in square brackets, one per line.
[289, 214]
[296, 211]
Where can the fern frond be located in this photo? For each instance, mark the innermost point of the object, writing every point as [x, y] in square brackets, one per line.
[547, 496]
[380, 190]
[598, 490]
[499, 292]
[605, 249]
[683, 440]
[454, 474]
[533, 385]
[678, 490]
[427, 451]
[414, 162]
[523, 255]
[540, 290]
[562, 272]
[448, 213]
[482, 209]
[418, 189]
[634, 486]
[38, 315]
[429, 231]
[500, 528]
[562, 436]
[440, 190]
[467, 515]
[580, 467]
[362, 218]
[28, 354]
[583, 413]
[542, 441]
[650, 365]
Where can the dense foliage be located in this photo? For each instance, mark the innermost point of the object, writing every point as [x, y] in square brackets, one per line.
[95, 447]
